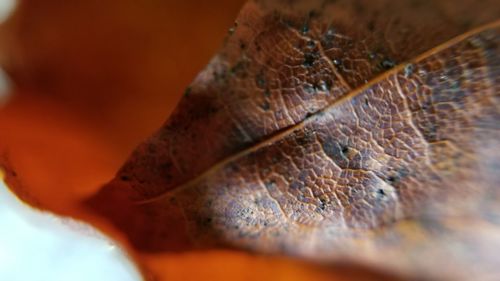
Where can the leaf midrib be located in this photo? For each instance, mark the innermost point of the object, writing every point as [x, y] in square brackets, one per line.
[281, 134]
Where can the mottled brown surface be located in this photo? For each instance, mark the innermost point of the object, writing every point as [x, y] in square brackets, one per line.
[284, 63]
[319, 136]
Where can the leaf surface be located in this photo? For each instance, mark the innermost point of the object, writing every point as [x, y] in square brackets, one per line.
[363, 130]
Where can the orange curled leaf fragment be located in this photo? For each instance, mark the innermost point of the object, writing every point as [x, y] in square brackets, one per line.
[330, 130]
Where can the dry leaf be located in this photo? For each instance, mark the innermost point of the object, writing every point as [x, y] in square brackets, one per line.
[332, 130]
[353, 131]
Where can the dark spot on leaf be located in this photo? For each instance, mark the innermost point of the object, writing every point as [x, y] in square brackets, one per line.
[267, 93]
[305, 138]
[309, 59]
[408, 70]
[336, 152]
[345, 149]
[387, 63]
[321, 86]
[308, 88]
[328, 38]
[238, 68]
[265, 105]
[233, 28]
[257, 47]
[395, 177]
[260, 80]
[429, 130]
[381, 192]
[305, 28]
[322, 204]
[233, 168]
[187, 92]
[425, 106]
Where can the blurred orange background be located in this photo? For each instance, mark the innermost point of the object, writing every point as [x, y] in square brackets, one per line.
[93, 79]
